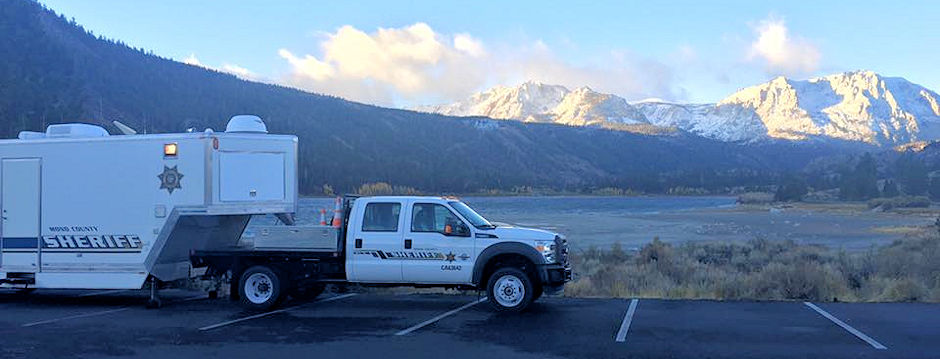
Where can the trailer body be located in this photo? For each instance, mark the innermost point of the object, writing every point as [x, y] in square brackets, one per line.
[84, 209]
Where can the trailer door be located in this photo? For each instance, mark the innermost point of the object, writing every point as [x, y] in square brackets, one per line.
[251, 176]
[21, 212]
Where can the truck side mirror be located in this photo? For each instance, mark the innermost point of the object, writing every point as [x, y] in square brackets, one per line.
[463, 230]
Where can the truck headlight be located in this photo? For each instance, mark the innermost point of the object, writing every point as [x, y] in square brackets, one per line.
[547, 248]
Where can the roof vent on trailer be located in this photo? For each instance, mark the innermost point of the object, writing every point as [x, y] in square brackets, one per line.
[246, 124]
[31, 135]
[75, 130]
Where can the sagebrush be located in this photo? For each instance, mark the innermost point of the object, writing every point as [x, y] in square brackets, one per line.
[906, 270]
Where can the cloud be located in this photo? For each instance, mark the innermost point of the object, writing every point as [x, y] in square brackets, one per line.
[389, 64]
[469, 45]
[686, 54]
[781, 52]
[192, 60]
[233, 69]
[414, 65]
[239, 71]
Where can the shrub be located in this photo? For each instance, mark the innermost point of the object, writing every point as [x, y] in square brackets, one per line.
[382, 188]
[793, 189]
[899, 202]
[756, 198]
[906, 270]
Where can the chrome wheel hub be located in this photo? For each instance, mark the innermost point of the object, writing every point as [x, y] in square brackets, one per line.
[259, 288]
[509, 291]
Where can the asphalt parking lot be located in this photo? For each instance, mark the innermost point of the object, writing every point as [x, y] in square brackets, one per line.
[109, 324]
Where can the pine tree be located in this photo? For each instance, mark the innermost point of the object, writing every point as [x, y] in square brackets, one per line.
[860, 183]
[890, 189]
[912, 174]
[934, 188]
[793, 188]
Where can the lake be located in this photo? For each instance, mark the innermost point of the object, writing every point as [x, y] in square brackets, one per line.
[635, 221]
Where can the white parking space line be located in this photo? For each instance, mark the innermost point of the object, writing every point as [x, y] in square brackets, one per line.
[847, 327]
[103, 292]
[439, 317]
[627, 320]
[265, 314]
[83, 315]
[103, 312]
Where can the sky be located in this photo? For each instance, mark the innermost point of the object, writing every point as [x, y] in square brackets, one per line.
[408, 53]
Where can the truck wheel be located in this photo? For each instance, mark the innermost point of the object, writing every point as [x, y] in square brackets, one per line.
[260, 288]
[510, 290]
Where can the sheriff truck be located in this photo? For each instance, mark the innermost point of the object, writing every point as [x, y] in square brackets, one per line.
[86, 209]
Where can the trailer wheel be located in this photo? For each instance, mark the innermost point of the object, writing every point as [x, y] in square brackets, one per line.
[510, 290]
[260, 288]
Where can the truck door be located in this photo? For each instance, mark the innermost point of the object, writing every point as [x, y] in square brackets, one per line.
[376, 248]
[20, 207]
[441, 246]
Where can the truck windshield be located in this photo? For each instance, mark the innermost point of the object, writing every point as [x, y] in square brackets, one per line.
[475, 218]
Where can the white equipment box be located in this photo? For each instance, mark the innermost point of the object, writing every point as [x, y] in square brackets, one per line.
[292, 238]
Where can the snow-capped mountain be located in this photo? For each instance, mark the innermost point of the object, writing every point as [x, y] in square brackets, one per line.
[537, 102]
[724, 123]
[503, 102]
[855, 106]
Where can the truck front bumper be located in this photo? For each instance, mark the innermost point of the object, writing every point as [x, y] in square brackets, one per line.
[554, 276]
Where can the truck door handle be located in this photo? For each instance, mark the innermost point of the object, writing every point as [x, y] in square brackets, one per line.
[358, 242]
[407, 244]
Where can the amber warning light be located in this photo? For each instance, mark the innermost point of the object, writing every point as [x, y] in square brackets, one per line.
[169, 149]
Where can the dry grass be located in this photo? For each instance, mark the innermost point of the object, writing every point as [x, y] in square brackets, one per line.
[902, 230]
[906, 270]
[900, 202]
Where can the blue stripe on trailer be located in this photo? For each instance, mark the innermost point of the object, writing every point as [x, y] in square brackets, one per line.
[20, 243]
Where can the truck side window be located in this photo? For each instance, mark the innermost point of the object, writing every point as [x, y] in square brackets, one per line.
[430, 217]
[381, 217]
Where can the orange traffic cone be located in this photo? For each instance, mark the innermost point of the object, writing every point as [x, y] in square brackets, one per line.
[322, 216]
[338, 213]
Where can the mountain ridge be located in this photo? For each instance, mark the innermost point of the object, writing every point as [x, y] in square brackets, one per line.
[860, 106]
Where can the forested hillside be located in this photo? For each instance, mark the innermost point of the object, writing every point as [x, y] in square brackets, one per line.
[53, 71]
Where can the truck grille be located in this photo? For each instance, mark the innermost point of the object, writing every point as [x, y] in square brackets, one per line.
[561, 249]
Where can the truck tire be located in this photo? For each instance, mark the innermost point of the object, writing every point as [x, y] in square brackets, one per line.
[510, 290]
[260, 288]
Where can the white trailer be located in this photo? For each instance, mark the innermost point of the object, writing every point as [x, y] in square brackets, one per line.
[86, 209]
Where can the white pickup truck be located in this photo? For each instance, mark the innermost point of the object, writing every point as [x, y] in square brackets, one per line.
[396, 241]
